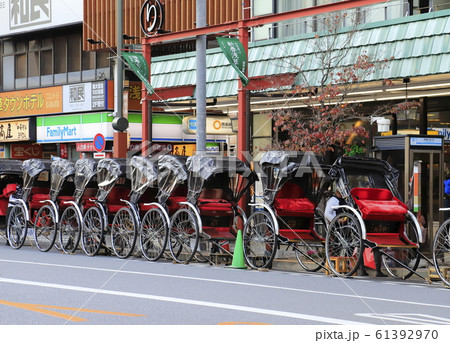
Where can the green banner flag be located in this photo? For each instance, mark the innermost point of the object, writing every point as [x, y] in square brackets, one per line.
[235, 53]
[138, 64]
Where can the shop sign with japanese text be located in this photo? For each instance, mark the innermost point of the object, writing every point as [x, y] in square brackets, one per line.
[31, 102]
[20, 16]
[84, 97]
[26, 151]
[16, 130]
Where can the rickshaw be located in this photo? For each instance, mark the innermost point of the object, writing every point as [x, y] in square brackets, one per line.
[210, 213]
[373, 217]
[10, 182]
[172, 190]
[47, 219]
[29, 206]
[71, 220]
[113, 188]
[441, 251]
[293, 185]
[127, 224]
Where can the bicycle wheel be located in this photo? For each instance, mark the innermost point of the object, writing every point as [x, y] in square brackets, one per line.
[311, 256]
[17, 227]
[260, 241]
[405, 256]
[344, 245]
[69, 230]
[184, 236]
[441, 252]
[124, 232]
[45, 228]
[92, 233]
[154, 233]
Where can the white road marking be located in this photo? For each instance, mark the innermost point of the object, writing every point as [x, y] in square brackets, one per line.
[410, 318]
[185, 301]
[121, 271]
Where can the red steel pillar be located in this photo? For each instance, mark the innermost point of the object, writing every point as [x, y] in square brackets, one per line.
[242, 103]
[146, 109]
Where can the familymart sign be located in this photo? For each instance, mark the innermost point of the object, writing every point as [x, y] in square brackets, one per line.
[72, 128]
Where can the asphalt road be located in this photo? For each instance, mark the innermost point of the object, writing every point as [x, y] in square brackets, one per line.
[56, 289]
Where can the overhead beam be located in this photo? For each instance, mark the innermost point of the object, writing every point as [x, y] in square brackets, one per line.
[259, 21]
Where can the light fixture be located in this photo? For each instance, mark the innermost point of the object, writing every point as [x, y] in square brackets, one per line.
[127, 37]
[409, 113]
[382, 123]
[234, 124]
[93, 41]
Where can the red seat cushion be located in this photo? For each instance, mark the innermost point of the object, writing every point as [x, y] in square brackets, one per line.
[9, 189]
[173, 203]
[3, 206]
[215, 207]
[296, 206]
[379, 204]
[115, 208]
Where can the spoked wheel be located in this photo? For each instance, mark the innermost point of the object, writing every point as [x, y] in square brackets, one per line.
[344, 245]
[441, 252]
[154, 233]
[124, 233]
[69, 230]
[92, 233]
[184, 236]
[312, 255]
[45, 228]
[17, 227]
[260, 240]
[395, 260]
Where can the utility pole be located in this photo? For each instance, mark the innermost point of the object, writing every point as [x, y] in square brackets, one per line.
[200, 90]
[120, 124]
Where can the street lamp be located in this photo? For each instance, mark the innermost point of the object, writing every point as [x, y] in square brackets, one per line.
[93, 41]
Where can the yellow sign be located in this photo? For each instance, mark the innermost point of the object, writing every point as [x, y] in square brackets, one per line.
[184, 149]
[15, 130]
[31, 102]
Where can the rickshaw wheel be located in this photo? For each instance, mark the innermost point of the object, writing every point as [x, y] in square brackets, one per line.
[124, 232]
[344, 245]
[17, 227]
[184, 236]
[315, 251]
[92, 232]
[260, 240]
[154, 233]
[407, 256]
[45, 228]
[441, 249]
[69, 230]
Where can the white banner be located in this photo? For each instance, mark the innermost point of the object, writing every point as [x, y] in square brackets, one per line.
[20, 16]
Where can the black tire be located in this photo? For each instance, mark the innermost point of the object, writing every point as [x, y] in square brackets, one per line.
[154, 233]
[124, 231]
[441, 251]
[311, 256]
[45, 229]
[184, 236]
[315, 252]
[260, 240]
[70, 230]
[407, 256]
[344, 245]
[92, 233]
[17, 227]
